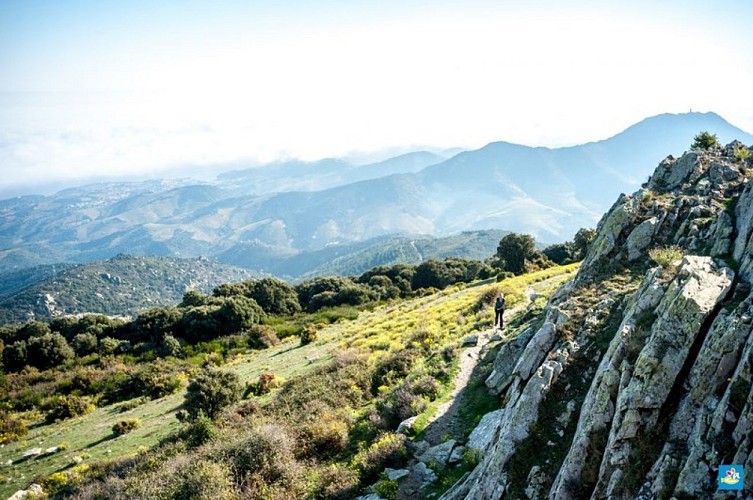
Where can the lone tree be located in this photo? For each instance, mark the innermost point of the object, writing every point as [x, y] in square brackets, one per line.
[513, 251]
[210, 392]
[705, 140]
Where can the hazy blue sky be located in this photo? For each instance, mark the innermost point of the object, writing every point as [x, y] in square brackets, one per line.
[114, 87]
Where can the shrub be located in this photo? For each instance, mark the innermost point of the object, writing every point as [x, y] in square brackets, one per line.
[338, 483]
[170, 346]
[309, 335]
[323, 436]
[705, 140]
[201, 431]
[486, 298]
[210, 392]
[264, 455]
[387, 451]
[68, 406]
[126, 426]
[666, 256]
[742, 154]
[387, 488]
[265, 383]
[394, 367]
[156, 380]
[108, 345]
[48, 351]
[262, 337]
[205, 480]
[12, 427]
[84, 344]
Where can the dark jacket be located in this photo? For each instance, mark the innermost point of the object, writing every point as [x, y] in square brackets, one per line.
[500, 304]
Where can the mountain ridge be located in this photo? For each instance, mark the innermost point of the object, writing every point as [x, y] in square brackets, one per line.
[549, 193]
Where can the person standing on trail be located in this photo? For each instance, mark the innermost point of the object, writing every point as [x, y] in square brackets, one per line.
[499, 311]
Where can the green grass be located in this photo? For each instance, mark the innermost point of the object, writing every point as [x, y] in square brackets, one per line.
[446, 316]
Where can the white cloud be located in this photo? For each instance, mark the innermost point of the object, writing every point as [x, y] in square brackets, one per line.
[536, 77]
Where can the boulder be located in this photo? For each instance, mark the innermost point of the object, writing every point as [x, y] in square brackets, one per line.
[470, 340]
[396, 474]
[439, 454]
[484, 434]
[406, 426]
[457, 455]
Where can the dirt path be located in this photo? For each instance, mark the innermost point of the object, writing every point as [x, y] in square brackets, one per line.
[445, 419]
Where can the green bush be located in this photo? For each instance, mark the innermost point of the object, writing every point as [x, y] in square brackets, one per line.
[262, 337]
[126, 426]
[742, 154]
[210, 392]
[265, 383]
[84, 343]
[309, 335]
[666, 256]
[12, 427]
[68, 406]
[705, 140]
[201, 431]
[387, 451]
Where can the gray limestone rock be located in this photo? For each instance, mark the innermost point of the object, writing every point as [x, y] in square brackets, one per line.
[485, 432]
[470, 340]
[438, 454]
[640, 237]
[396, 474]
[406, 426]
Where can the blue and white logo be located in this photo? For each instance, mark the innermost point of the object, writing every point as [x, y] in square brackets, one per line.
[731, 477]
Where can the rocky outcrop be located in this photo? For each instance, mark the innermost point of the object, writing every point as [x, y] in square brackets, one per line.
[637, 382]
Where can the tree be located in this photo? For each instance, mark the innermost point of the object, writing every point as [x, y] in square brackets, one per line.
[48, 351]
[705, 140]
[84, 343]
[193, 298]
[559, 253]
[582, 240]
[210, 392]
[275, 296]
[14, 356]
[513, 251]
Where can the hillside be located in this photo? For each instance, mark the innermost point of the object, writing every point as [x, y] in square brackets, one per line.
[355, 344]
[356, 258]
[549, 193]
[635, 382]
[122, 285]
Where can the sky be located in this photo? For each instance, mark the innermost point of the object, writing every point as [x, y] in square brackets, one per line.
[148, 87]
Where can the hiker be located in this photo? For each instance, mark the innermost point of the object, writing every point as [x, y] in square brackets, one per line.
[499, 311]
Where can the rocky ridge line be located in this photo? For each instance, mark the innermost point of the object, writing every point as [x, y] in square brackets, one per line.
[637, 382]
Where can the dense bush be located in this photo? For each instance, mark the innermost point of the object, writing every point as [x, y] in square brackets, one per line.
[274, 296]
[64, 407]
[12, 427]
[43, 352]
[387, 451]
[84, 344]
[441, 274]
[309, 334]
[156, 380]
[262, 337]
[705, 140]
[125, 426]
[210, 392]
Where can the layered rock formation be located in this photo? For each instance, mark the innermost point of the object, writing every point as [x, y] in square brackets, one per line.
[636, 381]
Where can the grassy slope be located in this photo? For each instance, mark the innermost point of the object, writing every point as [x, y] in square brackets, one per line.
[90, 436]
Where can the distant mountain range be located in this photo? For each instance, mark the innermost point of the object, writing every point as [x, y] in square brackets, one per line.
[287, 212]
